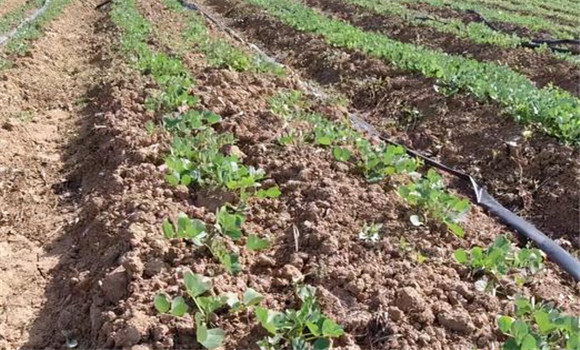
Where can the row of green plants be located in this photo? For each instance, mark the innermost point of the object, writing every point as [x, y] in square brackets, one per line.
[13, 18]
[197, 159]
[532, 9]
[533, 326]
[490, 265]
[476, 32]
[19, 44]
[218, 51]
[562, 6]
[533, 23]
[377, 162]
[552, 109]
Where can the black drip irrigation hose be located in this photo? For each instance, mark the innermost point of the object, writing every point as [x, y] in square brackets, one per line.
[554, 251]
[533, 43]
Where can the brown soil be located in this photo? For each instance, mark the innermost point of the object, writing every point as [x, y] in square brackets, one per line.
[553, 18]
[541, 68]
[537, 177]
[448, 12]
[7, 6]
[38, 117]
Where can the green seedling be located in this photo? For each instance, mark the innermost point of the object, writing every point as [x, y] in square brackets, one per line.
[501, 258]
[381, 161]
[193, 230]
[206, 304]
[306, 328]
[255, 243]
[539, 326]
[272, 192]
[228, 225]
[341, 154]
[371, 233]
[429, 193]
[250, 298]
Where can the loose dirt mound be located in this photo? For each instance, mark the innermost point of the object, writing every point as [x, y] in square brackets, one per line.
[41, 104]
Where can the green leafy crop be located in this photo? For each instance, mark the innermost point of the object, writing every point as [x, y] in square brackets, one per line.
[501, 258]
[539, 326]
[206, 304]
[307, 328]
[228, 226]
[429, 193]
[556, 111]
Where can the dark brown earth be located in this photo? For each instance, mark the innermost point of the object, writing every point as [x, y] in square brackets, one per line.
[465, 17]
[541, 68]
[536, 177]
[93, 267]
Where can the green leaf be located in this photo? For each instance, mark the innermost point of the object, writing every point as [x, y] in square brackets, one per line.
[543, 321]
[455, 229]
[529, 343]
[321, 344]
[178, 306]
[505, 323]
[168, 231]
[331, 329]
[210, 304]
[256, 243]
[210, 338]
[230, 224]
[519, 329]
[251, 297]
[461, 256]
[323, 140]
[341, 154]
[266, 318]
[196, 284]
[314, 329]
[233, 301]
[272, 192]
[161, 303]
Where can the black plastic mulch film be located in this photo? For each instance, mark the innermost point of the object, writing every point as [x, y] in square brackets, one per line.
[554, 251]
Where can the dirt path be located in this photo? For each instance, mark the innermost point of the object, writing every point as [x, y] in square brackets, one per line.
[40, 103]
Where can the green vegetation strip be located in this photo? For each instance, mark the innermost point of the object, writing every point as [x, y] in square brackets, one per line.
[476, 32]
[219, 52]
[557, 112]
[19, 44]
[532, 10]
[14, 17]
[197, 159]
[536, 24]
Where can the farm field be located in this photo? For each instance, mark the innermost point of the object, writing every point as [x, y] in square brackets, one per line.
[234, 174]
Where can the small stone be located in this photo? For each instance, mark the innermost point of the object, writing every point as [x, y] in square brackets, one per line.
[115, 285]
[153, 267]
[409, 299]
[457, 320]
[181, 192]
[395, 313]
[290, 272]
[263, 260]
